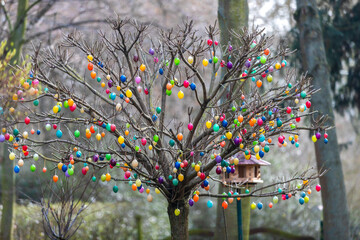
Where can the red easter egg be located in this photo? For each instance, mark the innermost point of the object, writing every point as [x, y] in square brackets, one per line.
[90, 66]
[186, 84]
[224, 205]
[73, 107]
[27, 120]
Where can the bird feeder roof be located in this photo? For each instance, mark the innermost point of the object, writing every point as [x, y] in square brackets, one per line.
[251, 161]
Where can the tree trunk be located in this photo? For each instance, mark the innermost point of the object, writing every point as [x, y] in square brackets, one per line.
[17, 34]
[335, 211]
[179, 224]
[15, 41]
[232, 15]
[138, 219]
[8, 194]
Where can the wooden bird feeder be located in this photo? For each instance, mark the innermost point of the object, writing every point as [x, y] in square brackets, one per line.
[247, 171]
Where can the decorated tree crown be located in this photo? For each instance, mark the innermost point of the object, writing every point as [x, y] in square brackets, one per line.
[117, 113]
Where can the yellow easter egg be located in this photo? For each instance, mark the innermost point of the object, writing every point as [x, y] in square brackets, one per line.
[25, 135]
[121, 139]
[128, 93]
[205, 62]
[180, 94]
[12, 156]
[56, 109]
[228, 135]
[197, 167]
[98, 136]
[177, 212]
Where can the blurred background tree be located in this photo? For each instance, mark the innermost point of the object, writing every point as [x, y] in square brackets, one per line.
[15, 42]
[314, 63]
[233, 15]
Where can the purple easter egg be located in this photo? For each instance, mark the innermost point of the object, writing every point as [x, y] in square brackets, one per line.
[229, 65]
[113, 162]
[151, 51]
[318, 135]
[110, 83]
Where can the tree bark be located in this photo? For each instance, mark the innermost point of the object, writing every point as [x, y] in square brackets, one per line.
[179, 224]
[138, 219]
[232, 15]
[335, 210]
[7, 195]
[15, 41]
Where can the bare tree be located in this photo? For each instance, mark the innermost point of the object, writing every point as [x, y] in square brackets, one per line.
[62, 205]
[141, 71]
